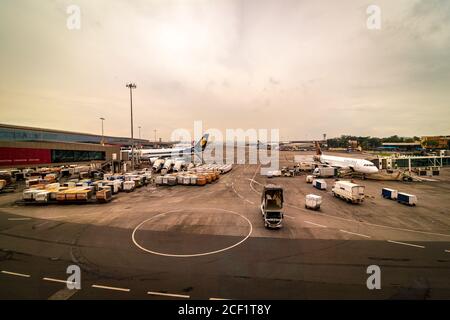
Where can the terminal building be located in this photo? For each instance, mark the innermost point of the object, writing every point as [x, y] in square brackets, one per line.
[27, 147]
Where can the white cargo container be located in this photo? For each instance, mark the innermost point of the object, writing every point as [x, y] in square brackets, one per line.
[128, 186]
[320, 184]
[348, 191]
[313, 202]
[186, 180]
[42, 196]
[194, 180]
[159, 180]
[309, 179]
[29, 194]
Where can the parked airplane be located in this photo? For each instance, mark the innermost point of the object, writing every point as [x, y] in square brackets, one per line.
[357, 165]
[153, 154]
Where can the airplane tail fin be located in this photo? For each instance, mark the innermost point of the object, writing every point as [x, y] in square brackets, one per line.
[318, 150]
[201, 144]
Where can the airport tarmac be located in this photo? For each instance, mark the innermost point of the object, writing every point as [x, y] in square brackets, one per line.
[188, 242]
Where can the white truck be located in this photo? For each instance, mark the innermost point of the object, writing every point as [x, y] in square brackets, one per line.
[272, 206]
[325, 172]
[348, 191]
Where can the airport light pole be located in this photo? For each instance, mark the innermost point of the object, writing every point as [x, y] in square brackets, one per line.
[103, 136]
[155, 135]
[131, 86]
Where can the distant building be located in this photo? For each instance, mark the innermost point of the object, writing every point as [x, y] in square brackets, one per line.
[435, 142]
[401, 146]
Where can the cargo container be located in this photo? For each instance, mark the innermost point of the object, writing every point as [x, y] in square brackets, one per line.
[171, 180]
[313, 202]
[104, 195]
[406, 198]
[309, 179]
[348, 191]
[128, 186]
[320, 184]
[325, 172]
[159, 180]
[389, 193]
[42, 196]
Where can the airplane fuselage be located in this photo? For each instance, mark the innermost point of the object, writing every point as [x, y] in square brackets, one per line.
[357, 165]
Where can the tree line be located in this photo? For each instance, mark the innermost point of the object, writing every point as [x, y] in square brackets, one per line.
[367, 142]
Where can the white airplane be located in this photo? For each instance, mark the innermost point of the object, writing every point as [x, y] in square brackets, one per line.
[153, 154]
[357, 165]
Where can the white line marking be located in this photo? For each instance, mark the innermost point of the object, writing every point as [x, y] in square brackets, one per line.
[406, 244]
[448, 251]
[18, 219]
[290, 217]
[356, 234]
[254, 181]
[168, 294]
[16, 274]
[57, 280]
[218, 299]
[133, 236]
[110, 288]
[249, 201]
[315, 224]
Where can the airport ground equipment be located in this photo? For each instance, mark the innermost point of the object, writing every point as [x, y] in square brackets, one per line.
[325, 172]
[272, 206]
[389, 193]
[129, 186]
[309, 179]
[348, 191]
[313, 202]
[104, 194]
[319, 184]
[406, 198]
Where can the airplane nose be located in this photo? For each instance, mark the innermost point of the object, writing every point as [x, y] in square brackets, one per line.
[374, 170]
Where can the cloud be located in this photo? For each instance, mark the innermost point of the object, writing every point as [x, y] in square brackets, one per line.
[306, 67]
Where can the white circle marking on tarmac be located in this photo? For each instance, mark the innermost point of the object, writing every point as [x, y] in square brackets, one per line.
[190, 255]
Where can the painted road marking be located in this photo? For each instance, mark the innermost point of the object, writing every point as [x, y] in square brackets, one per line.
[356, 234]
[16, 274]
[18, 219]
[152, 293]
[57, 280]
[448, 251]
[315, 224]
[407, 244]
[133, 236]
[217, 299]
[110, 288]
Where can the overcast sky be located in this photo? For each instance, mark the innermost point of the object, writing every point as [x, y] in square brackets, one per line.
[305, 67]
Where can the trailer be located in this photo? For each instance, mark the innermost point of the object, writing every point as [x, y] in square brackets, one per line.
[319, 184]
[348, 191]
[313, 202]
[389, 193]
[407, 199]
